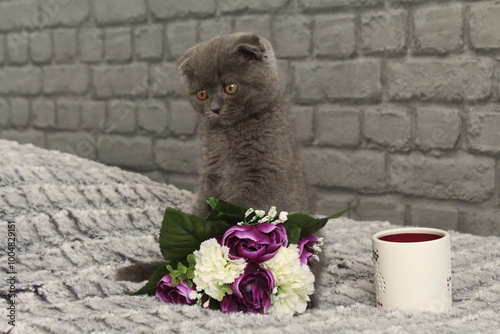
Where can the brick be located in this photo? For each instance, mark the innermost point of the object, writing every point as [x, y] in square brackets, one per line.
[120, 80]
[68, 114]
[183, 118]
[93, 115]
[482, 221]
[303, 120]
[186, 155]
[330, 204]
[122, 116]
[119, 11]
[292, 36]
[284, 70]
[65, 47]
[157, 176]
[2, 49]
[484, 25]
[181, 35]
[166, 80]
[44, 113]
[91, 45]
[233, 6]
[66, 13]
[17, 49]
[435, 216]
[66, 79]
[148, 42]
[360, 170]
[498, 182]
[258, 24]
[15, 15]
[338, 126]
[19, 112]
[388, 126]
[334, 36]
[118, 44]
[384, 31]
[326, 4]
[456, 79]
[77, 143]
[20, 80]
[152, 116]
[214, 27]
[461, 176]
[41, 47]
[4, 112]
[183, 181]
[358, 80]
[162, 9]
[28, 136]
[438, 29]
[131, 152]
[437, 127]
[483, 129]
[381, 208]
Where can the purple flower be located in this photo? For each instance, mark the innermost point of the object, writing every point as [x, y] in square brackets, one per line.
[175, 295]
[306, 251]
[255, 242]
[251, 291]
[229, 304]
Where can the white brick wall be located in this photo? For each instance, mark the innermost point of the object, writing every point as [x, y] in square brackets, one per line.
[396, 102]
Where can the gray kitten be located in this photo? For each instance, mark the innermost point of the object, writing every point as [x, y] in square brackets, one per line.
[250, 155]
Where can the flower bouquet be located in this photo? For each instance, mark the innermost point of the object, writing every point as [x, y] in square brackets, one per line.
[237, 259]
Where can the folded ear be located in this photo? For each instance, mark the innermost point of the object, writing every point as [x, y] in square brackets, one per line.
[250, 47]
[183, 62]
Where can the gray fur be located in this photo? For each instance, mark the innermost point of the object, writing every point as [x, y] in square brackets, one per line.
[250, 155]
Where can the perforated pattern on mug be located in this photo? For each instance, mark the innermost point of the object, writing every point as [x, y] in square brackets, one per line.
[379, 279]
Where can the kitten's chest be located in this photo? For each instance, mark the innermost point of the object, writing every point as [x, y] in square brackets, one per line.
[227, 153]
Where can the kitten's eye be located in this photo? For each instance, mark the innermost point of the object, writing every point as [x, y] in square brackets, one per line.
[231, 88]
[202, 94]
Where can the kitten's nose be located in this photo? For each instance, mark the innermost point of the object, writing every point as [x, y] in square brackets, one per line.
[215, 104]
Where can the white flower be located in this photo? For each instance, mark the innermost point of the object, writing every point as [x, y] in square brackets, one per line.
[260, 213]
[249, 212]
[270, 216]
[295, 282]
[195, 295]
[283, 216]
[272, 212]
[214, 270]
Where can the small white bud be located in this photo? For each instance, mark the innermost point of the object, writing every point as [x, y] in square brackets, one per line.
[193, 295]
[272, 213]
[283, 216]
[249, 212]
[260, 213]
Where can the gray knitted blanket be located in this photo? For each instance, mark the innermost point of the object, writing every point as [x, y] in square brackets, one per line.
[76, 221]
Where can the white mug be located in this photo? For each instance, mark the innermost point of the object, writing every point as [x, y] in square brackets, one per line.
[413, 269]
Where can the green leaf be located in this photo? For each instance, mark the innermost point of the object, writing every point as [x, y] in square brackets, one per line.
[191, 259]
[150, 287]
[309, 225]
[292, 232]
[227, 212]
[338, 214]
[212, 201]
[181, 234]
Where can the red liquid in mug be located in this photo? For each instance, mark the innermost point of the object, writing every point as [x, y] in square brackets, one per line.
[410, 237]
